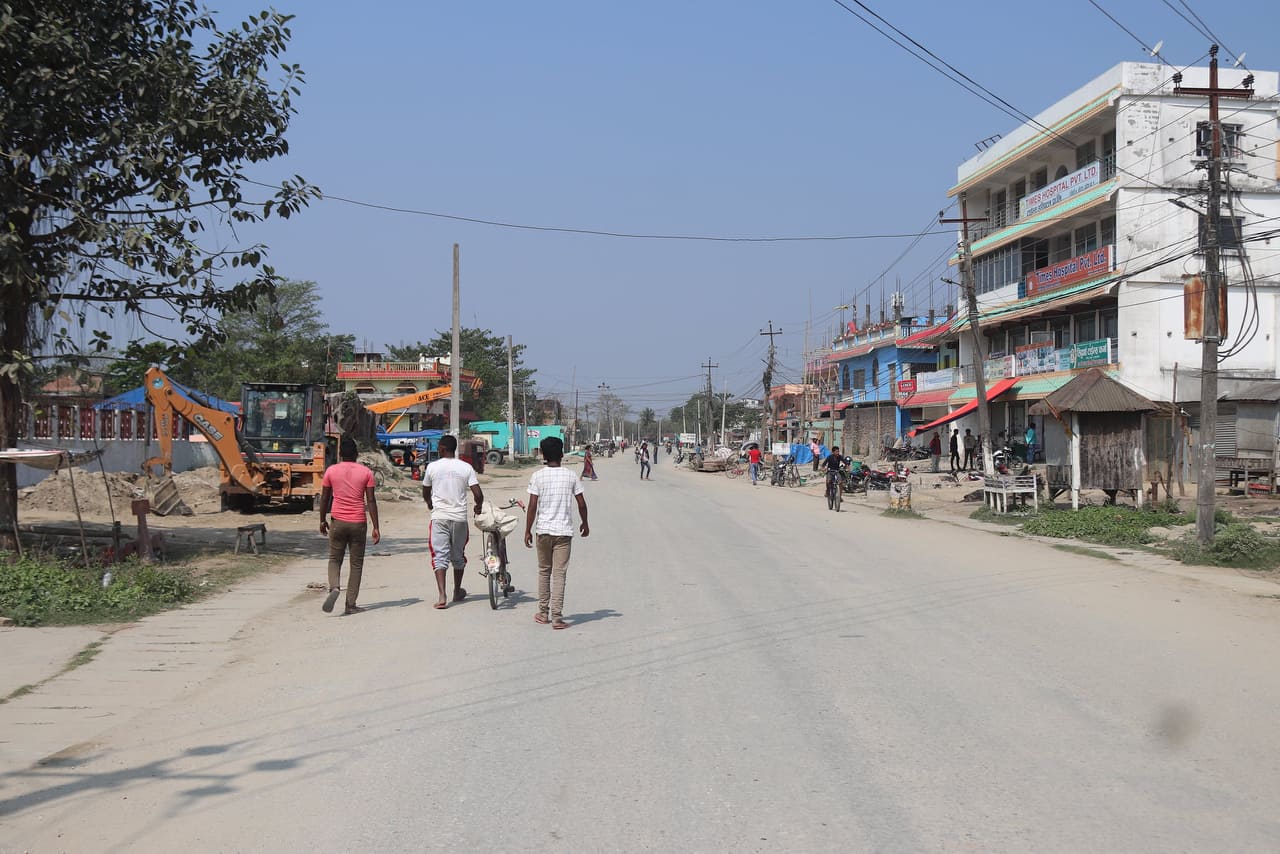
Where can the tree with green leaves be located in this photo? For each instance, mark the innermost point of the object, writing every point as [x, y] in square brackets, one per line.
[483, 353]
[282, 339]
[126, 127]
[648, 420]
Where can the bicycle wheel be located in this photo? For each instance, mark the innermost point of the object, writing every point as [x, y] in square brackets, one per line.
[732, 470]
[793, 476]
[831, 499]
[836, 496]
[493, 568]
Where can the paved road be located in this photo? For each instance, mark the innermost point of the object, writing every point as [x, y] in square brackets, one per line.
[746, 672]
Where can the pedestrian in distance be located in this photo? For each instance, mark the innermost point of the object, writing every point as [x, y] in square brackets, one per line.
[970, 448]
[935, 452]
[816, 447]
[753, 463]
[644, 461]
[955, 450]
[347, 489]
[588, 464]
[549, 518]
[445, 484]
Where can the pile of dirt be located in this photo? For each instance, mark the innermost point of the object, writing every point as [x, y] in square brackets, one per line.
[99, 495]
[394, 484]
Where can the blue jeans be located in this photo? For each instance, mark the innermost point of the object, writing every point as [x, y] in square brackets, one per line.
[755, 472]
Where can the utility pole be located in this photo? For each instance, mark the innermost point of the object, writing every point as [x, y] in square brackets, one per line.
[511, 403]
[766, 431]
[524, 396]
[724, 416]
[979, 356]
[573, 433]
[455, 353]
[1214, 286]
[711, 400]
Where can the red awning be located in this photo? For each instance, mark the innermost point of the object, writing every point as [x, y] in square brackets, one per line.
[992, 393]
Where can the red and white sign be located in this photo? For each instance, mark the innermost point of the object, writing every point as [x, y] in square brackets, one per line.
[906, 387]
[1069, 272]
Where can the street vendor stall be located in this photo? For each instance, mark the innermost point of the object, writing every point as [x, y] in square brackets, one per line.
[1096, 438]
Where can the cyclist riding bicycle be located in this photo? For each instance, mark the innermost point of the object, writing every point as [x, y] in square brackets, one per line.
[833, 464]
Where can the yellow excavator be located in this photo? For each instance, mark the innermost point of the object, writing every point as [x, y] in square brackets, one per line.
[276, 455]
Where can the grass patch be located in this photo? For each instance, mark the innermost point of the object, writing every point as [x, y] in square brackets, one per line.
[46, 591]
[985, 514]
[1108, 526]
[83, 657]
[1084, 550]
[901, 514]
[1235, 544]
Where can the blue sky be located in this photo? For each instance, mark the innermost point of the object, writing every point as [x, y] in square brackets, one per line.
[700, 117]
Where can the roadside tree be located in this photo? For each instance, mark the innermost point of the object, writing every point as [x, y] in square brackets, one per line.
[126, 129]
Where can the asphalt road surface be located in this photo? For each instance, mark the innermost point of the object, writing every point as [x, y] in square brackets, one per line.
[746, 671]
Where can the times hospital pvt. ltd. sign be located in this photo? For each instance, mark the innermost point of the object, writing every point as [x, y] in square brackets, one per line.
[1060, 190]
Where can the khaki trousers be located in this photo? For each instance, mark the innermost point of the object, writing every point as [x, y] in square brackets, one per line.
[343, 537]
[553, 565]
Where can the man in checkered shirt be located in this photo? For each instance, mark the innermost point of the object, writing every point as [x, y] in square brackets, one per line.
[553, 490]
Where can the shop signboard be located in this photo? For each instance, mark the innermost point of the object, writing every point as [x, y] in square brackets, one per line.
[1089, 353]
[1038, 358]
[1060, 190]
[1069, 272]
[998, 369]
[936, 380]
[688, 438]
[1063, 359]
[781, 449]
[906, 387]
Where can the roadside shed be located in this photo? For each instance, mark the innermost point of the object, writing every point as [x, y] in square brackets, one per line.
[1248, 441]
[1101, 440]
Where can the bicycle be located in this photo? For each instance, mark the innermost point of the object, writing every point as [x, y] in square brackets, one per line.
[835, 490]
[494, 567]
[791, 474]
[735, 468]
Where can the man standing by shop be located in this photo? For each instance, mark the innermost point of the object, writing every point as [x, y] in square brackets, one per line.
[970, 448]
[347, 488]
[955, 450]
[444, 487]
[935, 452]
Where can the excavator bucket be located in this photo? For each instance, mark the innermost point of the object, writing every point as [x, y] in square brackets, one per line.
[165, 500]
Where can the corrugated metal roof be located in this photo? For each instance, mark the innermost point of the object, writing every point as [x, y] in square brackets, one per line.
[1093, 391]
[1266, 390]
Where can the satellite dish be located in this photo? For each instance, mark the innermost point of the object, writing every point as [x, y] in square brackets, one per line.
[1155, 51]
[1239, 61]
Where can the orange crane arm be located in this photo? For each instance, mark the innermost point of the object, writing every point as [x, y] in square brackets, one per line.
[385, 406]
[215, 425]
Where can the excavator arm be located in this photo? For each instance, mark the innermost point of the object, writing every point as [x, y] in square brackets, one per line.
[408, 400]
[215, 425]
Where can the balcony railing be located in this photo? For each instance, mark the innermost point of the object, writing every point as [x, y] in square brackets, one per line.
[1003, 216]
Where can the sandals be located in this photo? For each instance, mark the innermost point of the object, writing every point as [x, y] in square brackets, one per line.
[541, 618]
[330, 600]
[559, 624]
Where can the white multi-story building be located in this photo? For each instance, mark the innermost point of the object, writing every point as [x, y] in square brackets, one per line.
[1095, 219]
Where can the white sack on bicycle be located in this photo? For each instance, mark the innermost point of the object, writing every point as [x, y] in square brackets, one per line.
[491, 518]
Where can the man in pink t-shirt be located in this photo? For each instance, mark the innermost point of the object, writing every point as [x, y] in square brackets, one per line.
[347, 488]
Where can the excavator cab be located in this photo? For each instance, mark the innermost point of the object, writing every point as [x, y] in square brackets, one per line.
[282, 421]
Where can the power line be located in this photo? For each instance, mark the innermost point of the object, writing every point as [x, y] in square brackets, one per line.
[600, 232]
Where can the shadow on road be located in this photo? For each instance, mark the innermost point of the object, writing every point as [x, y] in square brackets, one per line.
[393, 603]
[599, 614]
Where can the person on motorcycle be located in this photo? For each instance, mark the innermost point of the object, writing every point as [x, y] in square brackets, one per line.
[833, 464]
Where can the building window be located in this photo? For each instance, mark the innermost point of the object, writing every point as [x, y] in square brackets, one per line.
[1109, 323]
[859, 379]
[1108, 229]
[1086, 154]
[1086, 326]
[1086, 238]
[365, 388]
[1229, 228]
[997, 269]
[1017, 337]
[1060, 248]
[406, 388]
[1061, 173]
[1061, 330]
[875, 371]
[1232, 137]
[844, 377]
[1039, 178]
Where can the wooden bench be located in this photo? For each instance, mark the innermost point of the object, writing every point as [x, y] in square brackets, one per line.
[251, 536]
[998, 489]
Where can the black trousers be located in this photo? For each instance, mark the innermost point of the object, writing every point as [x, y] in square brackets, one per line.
[955, 460]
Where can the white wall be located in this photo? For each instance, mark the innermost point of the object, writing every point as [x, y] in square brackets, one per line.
[123, 455]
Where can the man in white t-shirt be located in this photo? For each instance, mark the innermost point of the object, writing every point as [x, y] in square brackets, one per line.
[444, 487]
[552, 493]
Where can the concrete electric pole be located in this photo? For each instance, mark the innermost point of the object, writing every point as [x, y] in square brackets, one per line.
[766, 431]
[979, 355]
[455, 352]
[1214, 289]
